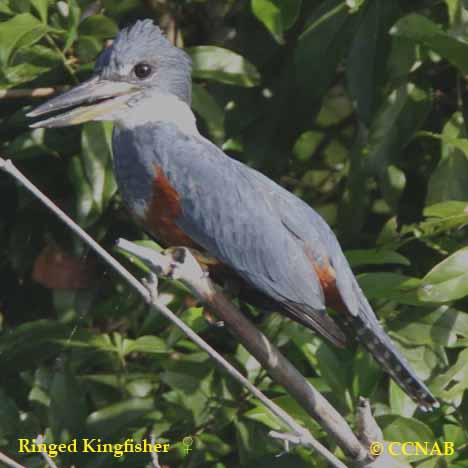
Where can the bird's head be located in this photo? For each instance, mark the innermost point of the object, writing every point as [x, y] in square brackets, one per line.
[140, 67]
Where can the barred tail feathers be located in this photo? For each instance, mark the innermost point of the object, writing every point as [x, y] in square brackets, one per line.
[378, 343]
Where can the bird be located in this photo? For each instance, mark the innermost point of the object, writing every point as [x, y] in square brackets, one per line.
[185, 191]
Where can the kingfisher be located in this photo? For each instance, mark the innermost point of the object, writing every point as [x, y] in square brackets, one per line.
[185, 191]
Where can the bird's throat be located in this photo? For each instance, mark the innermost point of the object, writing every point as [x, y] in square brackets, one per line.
[159, 108]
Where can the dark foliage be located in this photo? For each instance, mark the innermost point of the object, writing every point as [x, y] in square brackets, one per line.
[357, 106]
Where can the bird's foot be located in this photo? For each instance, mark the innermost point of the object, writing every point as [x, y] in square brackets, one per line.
[211, 318]
[184, 265]
[151, 283]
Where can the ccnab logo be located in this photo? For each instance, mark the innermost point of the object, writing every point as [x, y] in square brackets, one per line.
[428, 449]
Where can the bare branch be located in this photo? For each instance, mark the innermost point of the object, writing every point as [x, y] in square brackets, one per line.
[181, 265]
[9, 462]
[154, 455]
[29, 93]
[367, 427]
[45, 455]
[286, 438]
[280, 369]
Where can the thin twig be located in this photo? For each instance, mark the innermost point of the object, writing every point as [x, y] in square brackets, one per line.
[154, 455]
[284, 436]
[9, 462]
[367, 428]
[45, 455]
[65, 61]
[279, 367]
[29, 93]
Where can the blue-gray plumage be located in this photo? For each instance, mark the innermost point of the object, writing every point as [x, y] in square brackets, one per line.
[185, 190]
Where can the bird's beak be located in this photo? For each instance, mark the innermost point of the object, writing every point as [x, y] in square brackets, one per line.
[94, 99]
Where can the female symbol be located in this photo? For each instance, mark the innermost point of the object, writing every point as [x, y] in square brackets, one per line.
[187, 441]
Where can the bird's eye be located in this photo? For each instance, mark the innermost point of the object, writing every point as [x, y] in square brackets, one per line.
[142, 70]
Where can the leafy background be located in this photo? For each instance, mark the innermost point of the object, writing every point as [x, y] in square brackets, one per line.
[358, 107]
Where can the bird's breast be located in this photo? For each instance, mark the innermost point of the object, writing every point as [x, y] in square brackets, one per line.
[163, 210]
[145, 187]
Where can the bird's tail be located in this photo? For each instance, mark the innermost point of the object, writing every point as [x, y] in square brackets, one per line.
[374, 338]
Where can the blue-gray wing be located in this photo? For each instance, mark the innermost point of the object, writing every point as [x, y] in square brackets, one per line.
[228, 211]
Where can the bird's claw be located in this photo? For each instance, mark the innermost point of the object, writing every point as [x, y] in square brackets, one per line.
[184, 264]
[151, 283]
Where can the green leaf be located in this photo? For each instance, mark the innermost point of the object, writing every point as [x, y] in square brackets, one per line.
[29, 145]
[186, 376]
[437, 223]
[277, 15]
[403, 58]
[443, 217]
[400, 402]
[97, 165]
[98, 26]
[67, 413]
[147, 345]
[366, 374]
[86, 210]
[29, 63]
[5, 7]
[193, 317]
[448, 280]
[214, 444]
[366, 71]
[120, 9]
[422, 30]
[191, 378]
[391, 287]
[74, 16]
[290, 10]
[9, 416]
[41, 6]
[356, 198]
[452, 384]
[115, 419]
[293, 408]
[424, 360]
[223, 65]
[443, 326]
[88, 48]
[20, 6]
[450, 209]
[455, 434]
[399, 118]
[355, 5]
[396, 123]
[398, 428]
[402, 429]
[393, 183]
[206, 106]
[449, 181]
[21, 31]
[336, 368]
[320, 48]
[269, 13]
[33, 340]
[262, 415]
[361, 257]
[306, 144]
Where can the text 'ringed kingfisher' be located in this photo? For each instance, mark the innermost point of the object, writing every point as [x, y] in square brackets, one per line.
[187, 192]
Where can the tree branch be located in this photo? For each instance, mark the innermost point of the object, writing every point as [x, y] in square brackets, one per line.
[181, 265]
[50, 463]
[29, 93]
[9, 462]
[280, 369]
